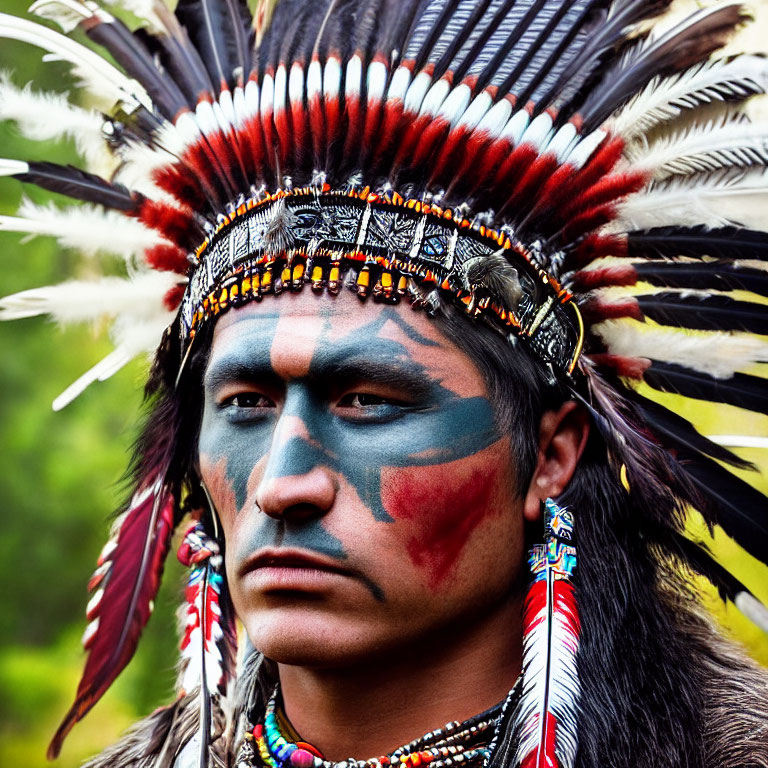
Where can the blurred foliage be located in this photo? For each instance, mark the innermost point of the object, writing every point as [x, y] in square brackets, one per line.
[61, 483]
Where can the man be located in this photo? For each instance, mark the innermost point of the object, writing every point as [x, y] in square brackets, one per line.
[365, 481]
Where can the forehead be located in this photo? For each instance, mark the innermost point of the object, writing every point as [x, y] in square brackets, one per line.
[296, 331]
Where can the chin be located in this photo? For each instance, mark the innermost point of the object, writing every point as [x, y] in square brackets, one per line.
[301, 636]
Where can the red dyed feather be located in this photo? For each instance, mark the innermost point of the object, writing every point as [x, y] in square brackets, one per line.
[129, 573]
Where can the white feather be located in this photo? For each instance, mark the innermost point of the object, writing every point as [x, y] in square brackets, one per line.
[714, 202]
[139, 162]
[145, 10]
[740, 441]
[12, 167]
[133, 337]
[102, 77]
[47, 116]
[66, 13]
[663, 99]
[717, 354]
[733, 143]
[87, 228]
[138, 297]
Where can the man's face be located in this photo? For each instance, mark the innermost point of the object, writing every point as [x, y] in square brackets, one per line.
[364, 489]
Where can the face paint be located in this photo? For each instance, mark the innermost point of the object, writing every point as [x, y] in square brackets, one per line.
[442, 509]
[437, 428]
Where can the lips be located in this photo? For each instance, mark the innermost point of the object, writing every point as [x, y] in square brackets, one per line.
[290, 560]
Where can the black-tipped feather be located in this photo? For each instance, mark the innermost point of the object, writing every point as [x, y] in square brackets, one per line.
[130, 52]
[675, 432]
[705, 313]
[683, 46]
[701, 561]
[715, 276]
[209, 28]
[698, 242]
[741, 390]
[736, 506]
[81, 185]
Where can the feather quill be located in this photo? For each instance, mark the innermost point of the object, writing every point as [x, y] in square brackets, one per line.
[712, 146]
[78, 301]
[102, 76]
[715, 202]
[716, 354]
[124, 585]
[664, 99]
[87, 228]
[546, 714]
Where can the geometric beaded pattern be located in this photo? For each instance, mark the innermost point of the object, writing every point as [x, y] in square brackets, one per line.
[557, 555]
[375, 244]
[455, 744]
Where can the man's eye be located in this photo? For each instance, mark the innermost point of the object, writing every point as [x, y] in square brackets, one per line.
[248, 400]
[363, 400]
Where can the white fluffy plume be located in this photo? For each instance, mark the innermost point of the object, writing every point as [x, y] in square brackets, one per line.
[663, 99]
[714, 202]
[717, 354]
[48, 116]
[105, 80]
[713, 146]
[87, 228]
[75, 301]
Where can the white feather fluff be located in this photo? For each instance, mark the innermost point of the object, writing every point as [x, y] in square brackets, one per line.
[67, 14]
[138, 297]
[732, 143]
[144, 10]
[133, 337]
[715, 202]
[105, 80]
[48, 116]
[663, 99]
[717, 354]
[87, 228]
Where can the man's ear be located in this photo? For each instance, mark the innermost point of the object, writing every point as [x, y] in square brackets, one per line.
[562, 436]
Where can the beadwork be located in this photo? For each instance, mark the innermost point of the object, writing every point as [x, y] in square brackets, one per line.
[467, 743]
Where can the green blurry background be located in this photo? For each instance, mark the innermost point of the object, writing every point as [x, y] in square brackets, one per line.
[60, 481]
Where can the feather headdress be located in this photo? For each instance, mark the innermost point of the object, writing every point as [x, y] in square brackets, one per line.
[523, 160]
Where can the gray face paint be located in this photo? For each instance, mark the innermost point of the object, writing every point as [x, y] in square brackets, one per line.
[437, 426]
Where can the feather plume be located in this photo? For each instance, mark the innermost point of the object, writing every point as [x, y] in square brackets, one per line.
[664, 99]
[715, 202]
[712, 146]
[81, 301]
[47, 116]
[102, 76]
[208, 646]
[716, 354]
[86, 228]
[546, 714]
[703, 311]
[740, 390]
[132, 338]
[698, 242]
[124, 586]
[686, 44]
[721, 275]
[71, 181]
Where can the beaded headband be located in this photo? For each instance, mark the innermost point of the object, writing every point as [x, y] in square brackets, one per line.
[377, 245]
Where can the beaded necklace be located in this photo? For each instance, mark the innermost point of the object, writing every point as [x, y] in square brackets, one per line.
[274, 744]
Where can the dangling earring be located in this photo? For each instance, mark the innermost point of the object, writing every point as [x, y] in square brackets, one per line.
[547, 713]
[209, 641]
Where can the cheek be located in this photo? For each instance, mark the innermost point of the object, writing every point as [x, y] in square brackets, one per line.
[214, 475]
[440, 506]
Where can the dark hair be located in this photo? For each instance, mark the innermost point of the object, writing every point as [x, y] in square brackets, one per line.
[644, 673]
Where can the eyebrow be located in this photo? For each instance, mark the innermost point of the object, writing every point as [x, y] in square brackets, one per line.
[340, 372]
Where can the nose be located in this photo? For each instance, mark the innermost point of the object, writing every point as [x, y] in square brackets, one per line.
[297, 483]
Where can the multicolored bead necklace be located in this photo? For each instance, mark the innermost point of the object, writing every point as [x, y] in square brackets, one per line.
[273, 744]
